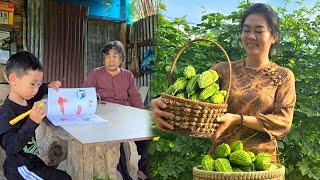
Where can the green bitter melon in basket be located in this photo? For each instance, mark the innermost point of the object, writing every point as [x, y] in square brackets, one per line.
[192, 85]
[222, 165]
[241, 158]
[236, 146]
[189, 72]
[239, 165]
[223, 151]
[196, 113]
[207, 163]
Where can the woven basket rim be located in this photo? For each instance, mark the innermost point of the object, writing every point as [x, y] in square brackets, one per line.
[212, 42]
[192, 102]
[254, 175]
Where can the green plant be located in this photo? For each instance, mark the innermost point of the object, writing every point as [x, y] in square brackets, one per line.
[173, 155]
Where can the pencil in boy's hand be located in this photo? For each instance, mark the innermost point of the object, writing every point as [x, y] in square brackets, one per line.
[23, 115]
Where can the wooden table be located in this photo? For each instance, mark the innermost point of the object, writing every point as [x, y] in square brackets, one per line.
[125, 124]
[92, 151]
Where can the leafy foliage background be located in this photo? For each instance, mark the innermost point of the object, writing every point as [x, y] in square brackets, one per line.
[174, 155]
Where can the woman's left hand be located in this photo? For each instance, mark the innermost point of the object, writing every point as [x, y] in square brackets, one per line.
[54, 85]
[226, 121]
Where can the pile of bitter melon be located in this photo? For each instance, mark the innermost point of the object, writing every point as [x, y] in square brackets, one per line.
[236, 159]
[198, 87]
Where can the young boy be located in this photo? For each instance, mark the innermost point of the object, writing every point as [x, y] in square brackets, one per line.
[24, 73]
[116, 85]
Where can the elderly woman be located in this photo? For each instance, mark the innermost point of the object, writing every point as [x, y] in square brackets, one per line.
[116, 85]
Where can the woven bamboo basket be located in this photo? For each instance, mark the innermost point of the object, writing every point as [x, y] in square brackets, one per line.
[193, 117]
[277, 174]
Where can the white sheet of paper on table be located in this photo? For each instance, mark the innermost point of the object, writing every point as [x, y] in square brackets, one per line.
[73, 106]
[76, 120]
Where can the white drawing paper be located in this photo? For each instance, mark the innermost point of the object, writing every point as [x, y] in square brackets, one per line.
[73, 106]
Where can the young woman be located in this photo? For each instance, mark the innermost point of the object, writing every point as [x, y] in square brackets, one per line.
[262, 97]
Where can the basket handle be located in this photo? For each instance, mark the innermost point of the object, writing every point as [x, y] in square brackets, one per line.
[181, 50]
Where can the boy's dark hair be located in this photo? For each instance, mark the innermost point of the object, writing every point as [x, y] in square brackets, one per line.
[22, 62]
[117, 46]
[271, 18]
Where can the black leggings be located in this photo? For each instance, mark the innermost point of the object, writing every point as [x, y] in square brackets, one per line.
[142, 148]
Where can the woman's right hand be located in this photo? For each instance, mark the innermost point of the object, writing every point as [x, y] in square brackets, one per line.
[158, 114]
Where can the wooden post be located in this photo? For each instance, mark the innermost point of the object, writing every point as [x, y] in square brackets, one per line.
[81, 161]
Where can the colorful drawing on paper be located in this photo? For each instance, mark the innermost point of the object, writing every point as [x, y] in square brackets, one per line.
[61, 102]
[69, 106]
[81, 94]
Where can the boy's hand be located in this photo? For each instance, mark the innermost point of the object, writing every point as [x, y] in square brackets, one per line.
[37, 113]
[54, 85]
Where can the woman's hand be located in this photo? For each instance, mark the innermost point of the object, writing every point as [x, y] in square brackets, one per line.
[226, 121]
[158, 115]
[54, 85]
